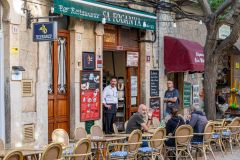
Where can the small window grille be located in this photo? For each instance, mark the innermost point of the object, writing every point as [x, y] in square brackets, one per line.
[28, 133]
[27, 88]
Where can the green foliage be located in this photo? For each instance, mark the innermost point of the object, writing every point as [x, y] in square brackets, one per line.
[215, 3]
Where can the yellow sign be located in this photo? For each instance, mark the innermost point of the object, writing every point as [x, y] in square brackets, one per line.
[237, 66]
[15, 50]
[43, 29]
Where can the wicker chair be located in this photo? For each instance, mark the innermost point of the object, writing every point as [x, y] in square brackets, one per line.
[183, 136]
[80, 133]
[125, 125]
[53, 151]
[207, 139]
[129, 150]
[96, 131]
[1, 144]
[82, 150]
[60, 136]
[14, 155]
[156, 144]
[231, 132]
[115, 129]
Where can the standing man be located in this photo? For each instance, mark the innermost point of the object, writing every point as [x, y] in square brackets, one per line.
[110, 105]
[171, 97]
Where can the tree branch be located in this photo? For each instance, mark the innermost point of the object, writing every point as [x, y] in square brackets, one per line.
[205, 7]
[223, 7]
[231, 39]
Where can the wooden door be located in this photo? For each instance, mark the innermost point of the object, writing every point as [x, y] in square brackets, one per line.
[133, 91]
[58, 84]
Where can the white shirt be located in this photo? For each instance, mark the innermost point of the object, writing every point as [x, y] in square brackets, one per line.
[110, 95]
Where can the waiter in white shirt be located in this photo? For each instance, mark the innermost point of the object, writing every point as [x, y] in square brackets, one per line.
[110, 105]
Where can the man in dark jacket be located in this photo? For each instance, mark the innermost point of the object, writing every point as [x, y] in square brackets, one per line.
[198, 121]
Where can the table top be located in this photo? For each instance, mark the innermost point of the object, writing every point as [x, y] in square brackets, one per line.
[127, 135]
[25, 152]
[107, 138]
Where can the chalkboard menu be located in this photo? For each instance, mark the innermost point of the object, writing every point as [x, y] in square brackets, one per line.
[155, 104]
[154, 83]
[90, 95]
[187, 94]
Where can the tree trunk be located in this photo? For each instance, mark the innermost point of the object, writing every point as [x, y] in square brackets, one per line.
[210, 77]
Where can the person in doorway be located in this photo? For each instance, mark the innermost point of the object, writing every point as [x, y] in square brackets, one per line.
[198, 121]
[171, 98]
[136, 121]
[110, 105]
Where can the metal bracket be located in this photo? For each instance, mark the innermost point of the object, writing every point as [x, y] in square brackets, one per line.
[30, 18]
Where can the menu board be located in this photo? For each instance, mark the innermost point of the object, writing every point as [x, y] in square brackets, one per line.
[154, 83]
[90, 95]
[155, 104]
[195, 95]
[187, 94]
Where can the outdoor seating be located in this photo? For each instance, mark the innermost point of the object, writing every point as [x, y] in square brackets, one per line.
[60, 136]
[182, 138]
[82, 150]
[80, 133]
[129, 150]
[96, 131]
[205, 144]
[14, 155]
[156, 144]
[231, 133]
[1, 144]
[52, 151]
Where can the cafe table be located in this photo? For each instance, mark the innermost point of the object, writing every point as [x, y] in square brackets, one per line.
[27, 152]
[104, 141]
[145, 135]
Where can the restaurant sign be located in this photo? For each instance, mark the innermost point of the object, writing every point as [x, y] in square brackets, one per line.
[44, 31]
[105, 13]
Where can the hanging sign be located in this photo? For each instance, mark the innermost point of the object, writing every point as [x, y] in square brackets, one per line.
[105, 13]
[44, 31]
[154, 83]
[90, 95]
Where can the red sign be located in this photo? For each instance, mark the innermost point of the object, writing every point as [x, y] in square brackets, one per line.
[90, 96]
[155, 104]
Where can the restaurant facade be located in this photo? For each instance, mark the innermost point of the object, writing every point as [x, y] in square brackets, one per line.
[58, 84]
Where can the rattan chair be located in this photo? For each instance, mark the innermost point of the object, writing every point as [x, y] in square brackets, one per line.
[60, 136]
[206, 142]
[129, 150]
[183, 136]
[14, 155]
[231, 133]
[156, 144]
[96, 131]
[125, 125]
[80, 133]
[82, 150]
[52, 151]
[1, 144]
[115, 129]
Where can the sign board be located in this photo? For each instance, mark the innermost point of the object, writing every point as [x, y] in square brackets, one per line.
[195, 95]
[132, 59]
[90, 95]
[224, 31]
[88, 61]
[134, 86]
[154, 83]
[155, 104]
[99, 61]
[44, 31]
[105, 13]
[187, 94]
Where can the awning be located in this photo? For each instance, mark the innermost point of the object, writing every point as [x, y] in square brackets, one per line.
[105, 13]
[182, 55]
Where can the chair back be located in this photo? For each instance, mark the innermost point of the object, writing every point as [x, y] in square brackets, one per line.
[80, 133]
[125, 125]
[96, 131]
[134, 137]
[14, 155]
[60, 136]
[235, 122]
[155, 122]
[183, 135]
[1, 144]
[160, 133]
[83, 147]
[53, 151]
[115, 129]
[208, 131]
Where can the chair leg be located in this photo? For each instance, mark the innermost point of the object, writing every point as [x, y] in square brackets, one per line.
[210, 148]
[189, 154]
[204, 152]
[230, 143]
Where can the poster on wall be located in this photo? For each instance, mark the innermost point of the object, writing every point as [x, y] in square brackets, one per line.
[195, 98]
[132, 59]
[88, 61]
[155, 104]
[90, 95]
[134, 86]
[187, 94]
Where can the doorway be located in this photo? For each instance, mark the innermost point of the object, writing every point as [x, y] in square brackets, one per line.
[59, 84]
[115, 64]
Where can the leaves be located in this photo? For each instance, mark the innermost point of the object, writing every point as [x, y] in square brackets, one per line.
[215, 4]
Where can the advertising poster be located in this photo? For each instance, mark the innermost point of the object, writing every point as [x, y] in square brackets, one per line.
[155, 105]
[90, 95]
